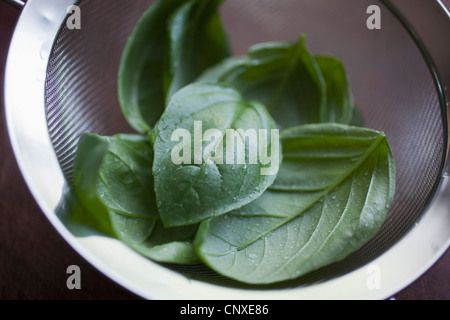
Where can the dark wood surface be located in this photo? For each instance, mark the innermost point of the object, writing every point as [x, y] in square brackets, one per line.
[34, 258]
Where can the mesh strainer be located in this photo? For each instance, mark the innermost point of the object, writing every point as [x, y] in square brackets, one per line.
[61, 82]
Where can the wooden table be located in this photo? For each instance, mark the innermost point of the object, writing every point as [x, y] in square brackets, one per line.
[34, 258]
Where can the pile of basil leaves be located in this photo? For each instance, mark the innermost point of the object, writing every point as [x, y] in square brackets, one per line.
[331, 194]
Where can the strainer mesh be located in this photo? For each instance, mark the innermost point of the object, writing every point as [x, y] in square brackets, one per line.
[390, 79]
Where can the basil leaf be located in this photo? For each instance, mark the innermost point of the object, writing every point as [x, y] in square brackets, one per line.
[340, 102]
[224, 70]
[197, 41]
[282, 76]
[192, 184]
[140, 85]
[173, 41]
[114, 182]
[89, 156]
[152, 240]
[125, 182]
[332, 194]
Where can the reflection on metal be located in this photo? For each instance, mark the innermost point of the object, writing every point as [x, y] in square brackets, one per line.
[16, 3]
[444, 7]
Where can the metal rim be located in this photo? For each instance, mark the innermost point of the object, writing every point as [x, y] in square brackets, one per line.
[26, 68]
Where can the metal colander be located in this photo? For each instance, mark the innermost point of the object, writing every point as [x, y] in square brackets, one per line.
[62, 82]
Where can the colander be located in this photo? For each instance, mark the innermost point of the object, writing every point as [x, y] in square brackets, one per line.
[61, 82]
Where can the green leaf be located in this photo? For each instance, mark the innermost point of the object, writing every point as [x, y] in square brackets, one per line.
[125, 182]
[332, 194]
[192, 184]
[88, 160]
[340, 102]
[298, 88]
[197, 41]
[282, 76]
[114, 182]
[160, 39]
[152, 240]
[140, 85]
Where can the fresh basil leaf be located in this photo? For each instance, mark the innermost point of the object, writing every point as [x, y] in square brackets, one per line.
[152, 240]
[332, 194]
[171, 44]
[340, 102]
[282, 76]
[192, 184]
[275, 70]
[140, 85]
[357, 118]
[91, 211]
[114, 181]
[125, 182]
[197, 41]
[224, 70]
